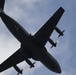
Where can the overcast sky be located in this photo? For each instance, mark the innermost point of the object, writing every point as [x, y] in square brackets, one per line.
[32, 14]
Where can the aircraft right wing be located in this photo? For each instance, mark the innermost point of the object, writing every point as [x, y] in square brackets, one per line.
[45, 32]
[14, 59]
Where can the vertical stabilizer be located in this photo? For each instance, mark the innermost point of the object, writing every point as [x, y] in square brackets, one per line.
[2, 4]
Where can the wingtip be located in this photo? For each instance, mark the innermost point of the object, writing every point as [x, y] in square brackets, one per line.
[62, 8]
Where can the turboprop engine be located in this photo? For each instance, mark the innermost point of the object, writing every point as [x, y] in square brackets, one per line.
[52, 43]
[59, 31]
[17, 69]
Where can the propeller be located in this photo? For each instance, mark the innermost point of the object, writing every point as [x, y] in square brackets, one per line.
[31, 66]
[19, 72]
[61, 34]
[55, 44]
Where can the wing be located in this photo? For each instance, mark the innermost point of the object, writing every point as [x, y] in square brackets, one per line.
[45, 32]
[12, 60]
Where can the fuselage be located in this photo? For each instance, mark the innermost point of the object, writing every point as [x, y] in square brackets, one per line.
[30, 45]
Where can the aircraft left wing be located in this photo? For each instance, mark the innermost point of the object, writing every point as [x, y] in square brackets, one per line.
[12, 60]
[45, 32]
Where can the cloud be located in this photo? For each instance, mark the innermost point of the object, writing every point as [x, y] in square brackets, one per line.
[7, 45]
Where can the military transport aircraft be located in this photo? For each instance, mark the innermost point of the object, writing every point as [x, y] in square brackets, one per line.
[32, 46]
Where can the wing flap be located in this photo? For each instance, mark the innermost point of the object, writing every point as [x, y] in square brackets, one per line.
[12, 60]
[45, 32]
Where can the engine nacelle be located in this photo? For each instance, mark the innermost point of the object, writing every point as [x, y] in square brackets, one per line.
[52, 42]
[59, 31]
[18, 70]
[30, 63]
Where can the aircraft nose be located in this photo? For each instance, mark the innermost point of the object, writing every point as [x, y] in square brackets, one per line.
[57, 68]
[59, 71]
[51, 63]
[55, 65]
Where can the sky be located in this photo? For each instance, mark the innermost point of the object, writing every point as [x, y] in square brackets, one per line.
[32, 15]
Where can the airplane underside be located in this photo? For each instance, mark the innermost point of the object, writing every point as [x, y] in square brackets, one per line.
[45, 58]
[32, 46]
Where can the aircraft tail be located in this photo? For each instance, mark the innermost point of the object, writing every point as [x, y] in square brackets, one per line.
[2, 5]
